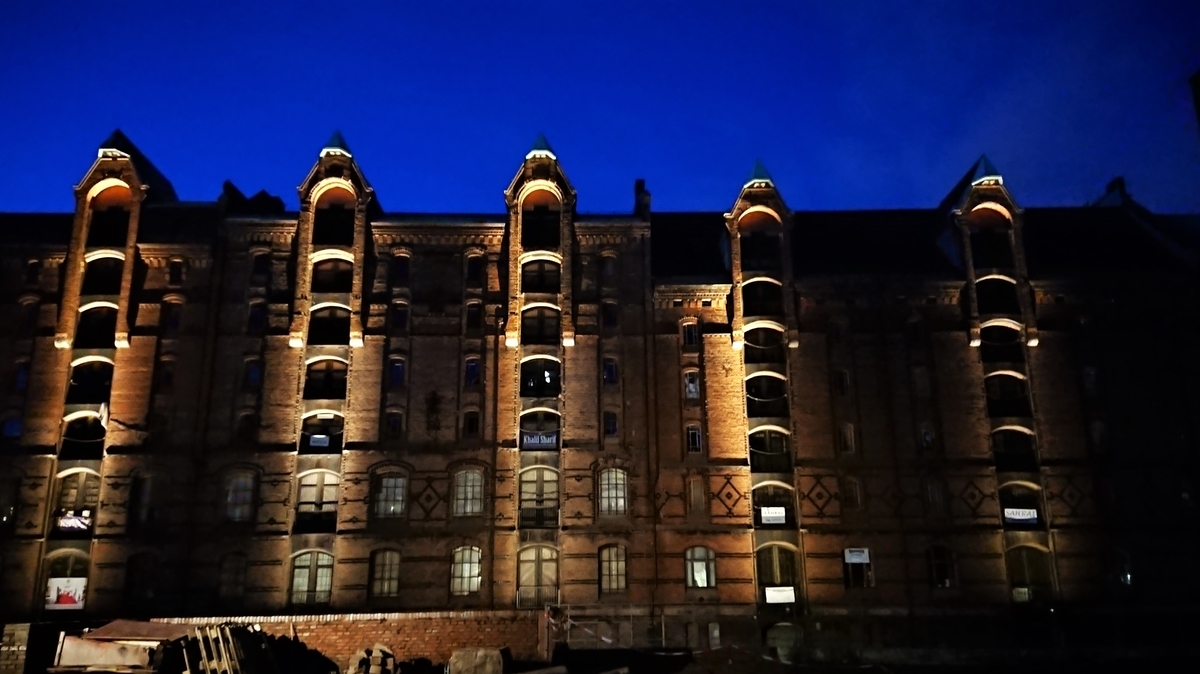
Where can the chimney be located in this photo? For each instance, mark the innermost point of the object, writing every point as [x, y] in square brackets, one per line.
[641, 199]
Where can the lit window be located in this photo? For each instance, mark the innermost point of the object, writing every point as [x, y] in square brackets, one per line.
[695, 440]
[390, 495]
[856, 568]
[318, 492]
[612, 569]
[468, 493]
[312, 578]
[613, 490]
[691, 385]
[240, 488]
[701, 568]
[465, 571]
[385, 573]
[609, 371]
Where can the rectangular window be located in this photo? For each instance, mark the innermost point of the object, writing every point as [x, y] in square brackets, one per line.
[691, 386]
[470, 427]
[841, 383]
[175, 273]
[613, 492]
[691, 334]
[695, 441]
[612, 569]
[397, 373]
[697, 495]
[610, 424]
[399, 271]
[609, 315]
[475, 271]
[390, 495]
[610, 371]
[399, 318]
[471, 372]
[856, 568]
[851, 494]
[846, 439]
[385, 574]
[468, 493]
[465, 572]
[941, 566]
[474, 317]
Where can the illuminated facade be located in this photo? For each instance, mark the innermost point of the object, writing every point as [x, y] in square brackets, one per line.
[828, 430]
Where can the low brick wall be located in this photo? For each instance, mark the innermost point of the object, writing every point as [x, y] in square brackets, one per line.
[409, 635]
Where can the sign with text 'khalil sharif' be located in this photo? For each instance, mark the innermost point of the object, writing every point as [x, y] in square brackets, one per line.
[65, 594]
[858, 555]
[774, 515]
[1020, 514]
[539, 439]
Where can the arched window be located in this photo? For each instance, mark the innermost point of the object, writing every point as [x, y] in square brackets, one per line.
[97, 328]
[325, 380]
[1013, 449]
[239, 495]
[83, 438]
[393, 425]
[397, 373]
[762, 298]
[390, 494]
[476, 270]
[398, 270]
[775, 566]
[541, 378]
[322, 433]
[66, 580]
[1007, 396]
[91, 383]
[33, 273]
[175, 272]
[540, 226]
[541, 276]
[13, 427]
[468, 493]
[385, 574]
[1001, 344]
[1021, 506]
[610, 315]
[171, 320]
[78, 496]
[996, 295]
[141, 582]
[472, 373]
[766, 396]
[694, 438]
[102, 276]
[614, 491]
[318, 493]
[761, 249]
[690, 331]
[1029, 573]
[312, 578]
[466, 571]
[769, 451]
[256, 323]
[252, 376]
[612, 569]
[260, 270]
[333, 219]
[774, 506]
[691, 386]
[109, 226]
[399, 318]
[540, 429]
[20, 380]
[231, 578]
[329, 326]
[246, 429]
[537, 576]
[540, 325]
[470, 425]
[473, 318]
[333, 276]
[539, 498]
[991, 242]
[765, 345]
[701, 567]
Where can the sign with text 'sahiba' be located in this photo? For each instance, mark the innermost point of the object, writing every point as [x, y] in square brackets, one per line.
[65, 594]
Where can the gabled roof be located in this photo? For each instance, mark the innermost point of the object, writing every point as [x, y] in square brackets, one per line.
[982, 170]
[118, 144]
[336, 143]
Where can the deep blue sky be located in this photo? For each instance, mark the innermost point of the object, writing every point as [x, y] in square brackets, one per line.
[849, 104]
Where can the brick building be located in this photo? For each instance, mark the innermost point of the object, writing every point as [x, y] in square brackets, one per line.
[816, 432]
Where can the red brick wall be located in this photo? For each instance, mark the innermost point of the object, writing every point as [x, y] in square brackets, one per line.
[409, 635]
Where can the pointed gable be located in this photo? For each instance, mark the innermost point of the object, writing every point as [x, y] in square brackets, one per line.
[118, 146]
[982, 172]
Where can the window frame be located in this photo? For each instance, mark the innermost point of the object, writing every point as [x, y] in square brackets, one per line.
[613, 569]
[389, 495]
[318, 586]
[701, 559]
[612, 495]
[466, 571]
[468, 493]
[384, 574]
[237, 496]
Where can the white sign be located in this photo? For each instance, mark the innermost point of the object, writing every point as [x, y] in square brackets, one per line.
[1021, 514]
[780, 595]
[65, 594]
[774, 515]
[318, 441]
[858, 555]
[72, 522]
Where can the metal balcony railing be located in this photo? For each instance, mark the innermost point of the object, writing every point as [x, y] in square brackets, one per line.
[536, 596]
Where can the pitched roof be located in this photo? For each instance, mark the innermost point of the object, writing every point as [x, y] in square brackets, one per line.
[161, 190]
[981, 169]
[541, 148]
[759, 173]
[336, 142]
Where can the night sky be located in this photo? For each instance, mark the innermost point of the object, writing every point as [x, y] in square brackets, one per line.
[873, 106]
